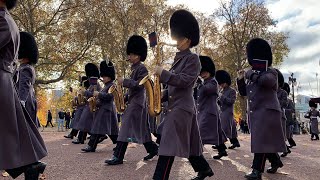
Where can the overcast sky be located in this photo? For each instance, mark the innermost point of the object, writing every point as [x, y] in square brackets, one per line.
[301, 19]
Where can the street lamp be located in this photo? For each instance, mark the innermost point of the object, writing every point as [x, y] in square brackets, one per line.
[293, 82]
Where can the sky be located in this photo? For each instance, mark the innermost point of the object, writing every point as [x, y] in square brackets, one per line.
[301, 20]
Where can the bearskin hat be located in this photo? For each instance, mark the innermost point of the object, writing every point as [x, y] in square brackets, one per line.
[11, 4]
[286, 87]
[184, 24]
[92, 70]
[107, 70]
[258, 48]
[28, 48]
[207, 65]
[223, 76]
[137, 45]
[312, 104]
[280, 78]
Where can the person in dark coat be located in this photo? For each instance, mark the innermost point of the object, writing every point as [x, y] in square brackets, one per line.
[68, 119]
[227, 98]
[28, 56]
[134, 123]
[313, 115]
[49, 119]
[86, 119]
[180, 132]
[283, 100]
[209, 122]
[105, 118]
[264, 110]
[84, 84]
[289, 111]
[21, 144]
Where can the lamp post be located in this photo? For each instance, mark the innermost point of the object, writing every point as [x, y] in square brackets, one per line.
[293, 82]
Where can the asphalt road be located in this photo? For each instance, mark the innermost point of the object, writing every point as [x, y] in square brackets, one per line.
[67, 162]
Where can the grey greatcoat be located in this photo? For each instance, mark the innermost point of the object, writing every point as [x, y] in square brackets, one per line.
[105, 118]
[314, 125]
[26, 92]
[21, 144]
[283, 100]
[264, 111]
[289, 110]
[180, 132]
[134, 122]
[208, 113]
[226, 103]
[85, 122]
[77, 115]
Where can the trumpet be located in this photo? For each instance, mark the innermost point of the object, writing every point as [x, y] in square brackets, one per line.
[153, 88]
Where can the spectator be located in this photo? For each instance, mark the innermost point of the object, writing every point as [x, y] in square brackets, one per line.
[67, 118]
[61, 116]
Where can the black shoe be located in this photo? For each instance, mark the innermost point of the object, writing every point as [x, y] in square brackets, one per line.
[69, 136]
[77, 142]
[89, 149]
[214, 147]
[220, 155]
[102, 139]
[150, 156]
[203, 174]
[284, 154]
[114, 161]
[254, 175]
[274, 169]
[33, 171]
[234, 146]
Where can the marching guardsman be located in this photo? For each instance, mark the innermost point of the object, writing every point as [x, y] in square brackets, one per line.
[283, 100]
[134, 124]
[86, 119]
[264, 110]
[313, 115]
[289, 111]
[180, 133]
[226, 100]
[105, 118]
[28, 56]
[84, 83]
[21, 143]
[208, 113]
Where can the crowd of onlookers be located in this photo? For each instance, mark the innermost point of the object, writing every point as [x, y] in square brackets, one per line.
[63, 119]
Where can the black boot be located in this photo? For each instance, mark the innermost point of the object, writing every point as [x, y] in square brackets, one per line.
[235, 143]
[273, 169]
[221, 151]
[203, 174]
[254, 175]
[102, 139]
[33, 171]
[77, 141]
[286, 153]
[69, 136]
[150, 156]
[88, 149]
[114, 161]
[292, 142]
[151, 148]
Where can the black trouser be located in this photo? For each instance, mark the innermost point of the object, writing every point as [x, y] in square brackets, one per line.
[68, 124]
[50, 123]
[164, 165]
[82, 136]
[94, 139]
[74, 132]
[14, 173]
[234, 141]
[121, 148]
[259, 160]
[221, 148]
[291, 142]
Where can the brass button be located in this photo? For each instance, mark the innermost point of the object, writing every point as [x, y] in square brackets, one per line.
[170, 97]
[250, 91]
[250, 111]
[169, 110]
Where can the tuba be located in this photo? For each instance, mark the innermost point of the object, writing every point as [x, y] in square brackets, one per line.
[153, 88]
[116, 91]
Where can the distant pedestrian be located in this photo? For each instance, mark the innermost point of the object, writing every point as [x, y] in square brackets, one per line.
[67, 118]
[61, 116]
[49, 119]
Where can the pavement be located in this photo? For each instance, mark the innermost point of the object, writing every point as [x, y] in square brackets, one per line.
[67, 162]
